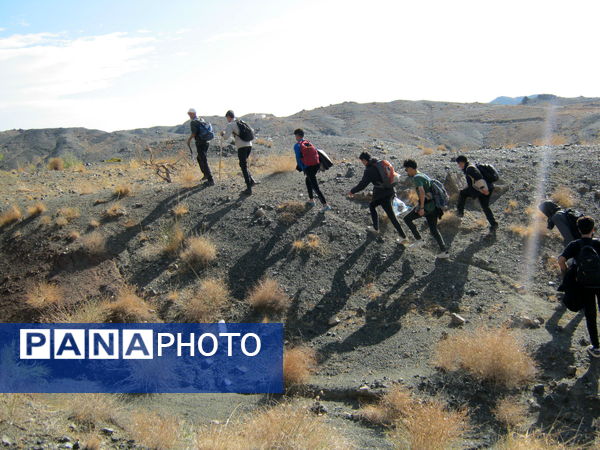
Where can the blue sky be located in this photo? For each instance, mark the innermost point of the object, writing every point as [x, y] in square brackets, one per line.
[124, 64]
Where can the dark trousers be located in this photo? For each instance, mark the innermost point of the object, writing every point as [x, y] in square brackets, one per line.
[243, 154]
[432, 220]
[386, 204]
[484, 201]
[589, 307]
[312, 184]
[202, 149]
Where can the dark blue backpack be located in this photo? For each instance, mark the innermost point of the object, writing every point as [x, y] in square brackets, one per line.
[205, 131]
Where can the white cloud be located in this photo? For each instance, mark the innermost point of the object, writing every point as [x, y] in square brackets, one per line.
[43, 68]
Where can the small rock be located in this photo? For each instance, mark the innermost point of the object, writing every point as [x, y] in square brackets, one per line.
[364, 388]
[64, 439]
[571, 371]
[6, 441]
[538, 389]
[334, 321]
[457, 320]
[108, 431]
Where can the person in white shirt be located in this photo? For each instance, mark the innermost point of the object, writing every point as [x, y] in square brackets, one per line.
[243, 147]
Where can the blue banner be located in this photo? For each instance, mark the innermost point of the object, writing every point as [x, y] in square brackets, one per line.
[141, 358]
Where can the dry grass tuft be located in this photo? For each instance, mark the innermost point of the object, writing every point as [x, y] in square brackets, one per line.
[282, 164]
[114, 211]
[430, 426]
[94, 223]
[311, 244]
[530, 441]
[180, 210]
[199, 251]
[289, 212]
[450, 219]
[43, 295]
[208, 302]
[268, 297]
[61, 221]
[127, 307]
[45, 220]
[488, 354]
[510, 412]
[123, 190]
[264, 142]
[88, 312]
[154, 431]
[298, 365]
[394, 405]
[285, 426]
[91, 442]
[36, 209]
[93, 409]
[551, 265]
[94, 243]
[69, 214]
[86, 188]
[174, 239]
[189, 178]
[563, 196]
[73, 236]
[512, 205]
[555, 139]
[425, 150]
[56, 164]
[11, 215]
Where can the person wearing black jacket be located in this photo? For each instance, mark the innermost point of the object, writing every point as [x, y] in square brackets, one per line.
[201, 147]
[585, 295]
[477, 187]
[382, 196]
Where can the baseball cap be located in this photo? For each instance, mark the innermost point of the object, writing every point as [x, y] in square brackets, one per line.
[192, 110]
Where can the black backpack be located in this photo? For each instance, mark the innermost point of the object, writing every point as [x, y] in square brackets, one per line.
[572, 217]
[588, 267]
[488, 172]
[246, 133]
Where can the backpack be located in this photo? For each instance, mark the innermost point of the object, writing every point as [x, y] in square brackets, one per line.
[588, 267]
[246, 133]
[205, 131]
[324, 160]
[488, 172]
[439, 195]
[308, 153]
[572, 217]
[389, 178]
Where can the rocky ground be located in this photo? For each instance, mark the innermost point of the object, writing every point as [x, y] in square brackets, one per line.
[373, 310]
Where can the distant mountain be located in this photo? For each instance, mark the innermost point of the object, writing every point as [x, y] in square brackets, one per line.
[507, 100]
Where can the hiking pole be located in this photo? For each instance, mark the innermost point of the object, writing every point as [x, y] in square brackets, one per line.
[220, 155]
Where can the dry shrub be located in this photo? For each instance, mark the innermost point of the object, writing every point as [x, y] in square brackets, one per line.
[180, 209]
[208, 302]
[94, 243]
[289, 212]
[130, 223]
[94, 223]
[199, 251]
[88, 312]
[61, 221]
[282, 164]
[86, 188]
[43, 295]
[450, 219]
[68, 213]
[555, 139]
[311, 244]
[91, 442]
[510, 412]
[530, 441]
[154, 431]
[174, 239]
[45, 220]
[11, 215]
[189, 178]
[298, 365]
[114, 211]
[430, 426]
[563, 196]
[73, 236]
[123, 190]
[525, 231]
[56, 164]
[127, 307]
[551, 265]
[264, 142]
[512, 205]
[267, 296]
[92, 409]
[395, 404]
[425, 150]
[285, 426]
[490, 354]
[36, 209]
[442, 148]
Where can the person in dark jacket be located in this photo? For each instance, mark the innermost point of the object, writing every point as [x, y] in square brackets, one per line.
[478, 188]
[382, 196]
[201, 147]
[587, 295]
[559, 218]
[310, 169]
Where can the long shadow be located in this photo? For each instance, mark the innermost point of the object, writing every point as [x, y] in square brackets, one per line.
[554, 357]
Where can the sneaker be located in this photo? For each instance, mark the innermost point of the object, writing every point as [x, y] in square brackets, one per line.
[594, 351]
[443, 255]
[326, 208]
[209, 183]
[417, 243]
[372, 231]
[247, 192]
[310, 203]
[204, 178]
[253, 182]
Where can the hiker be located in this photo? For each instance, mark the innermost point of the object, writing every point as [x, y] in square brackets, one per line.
[425, 208]
[382, 196]
[307, 161]
[564, 219]
[202, 132]
[586, 268]
[243, 135]
[477, 187]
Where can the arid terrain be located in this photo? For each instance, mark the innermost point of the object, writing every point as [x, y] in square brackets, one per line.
[386, 347]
